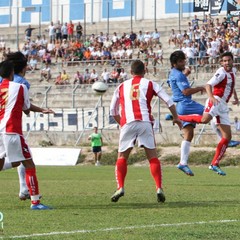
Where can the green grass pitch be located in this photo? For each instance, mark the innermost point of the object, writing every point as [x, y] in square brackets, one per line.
[206, 206]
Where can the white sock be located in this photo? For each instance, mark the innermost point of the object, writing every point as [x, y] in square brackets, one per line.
[215, 129]
[22, 180]
[185, 149]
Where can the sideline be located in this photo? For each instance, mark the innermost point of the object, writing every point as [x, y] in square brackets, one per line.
[117, 228]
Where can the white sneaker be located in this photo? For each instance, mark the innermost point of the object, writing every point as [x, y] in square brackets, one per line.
[97, 164]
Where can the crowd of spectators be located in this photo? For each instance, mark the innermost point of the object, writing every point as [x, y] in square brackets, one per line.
[205, 39]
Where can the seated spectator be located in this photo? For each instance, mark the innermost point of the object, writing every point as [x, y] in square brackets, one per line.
[32, 65]
[58, 80]
[123, 76]
[78, 78]
[45, 73]
[105, 75]
[114, 76]
[86, 76]
[93, 76]
[46, 58]
[65, 77]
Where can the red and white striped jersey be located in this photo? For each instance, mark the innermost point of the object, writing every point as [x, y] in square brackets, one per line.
[13, 99]
[132, 100]
[223, 83]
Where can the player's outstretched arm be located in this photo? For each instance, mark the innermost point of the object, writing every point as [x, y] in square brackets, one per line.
[176, 120]
[34, 108]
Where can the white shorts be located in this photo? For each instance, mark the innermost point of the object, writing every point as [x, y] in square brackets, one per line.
[136, 131]
[14, 147]
[220, 111]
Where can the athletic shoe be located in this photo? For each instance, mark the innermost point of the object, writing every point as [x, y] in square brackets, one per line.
[40, 206]
[160, 195]
[119, 193]
[217, 169]
[97, 164]
[185, 169]
[24, 196]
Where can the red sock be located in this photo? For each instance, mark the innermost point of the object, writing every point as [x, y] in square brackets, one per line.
[221, 149]
[155, 168]
[121, 171]
[32, 183]
[195, 118]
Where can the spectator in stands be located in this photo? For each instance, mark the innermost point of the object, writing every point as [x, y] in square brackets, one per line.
[147, 38]
[51, 48]
[155, 38]
[172, 38]
[46, 58]
[51, 32]
[202, 49]
[78, 78]
[65, 77]
[58, 31]
[105, 75]
[114, 76]
[65, 31]
[107, 43]
[79, 30]
[195, 22]
[123, 76]
[45, 73]
[32, 65]
[93, 76]
[44, 41]
[70, 29]
[159, 54]
[236, 124]
[28, 32]
[86, 76]
[58, 80]
[133, 37]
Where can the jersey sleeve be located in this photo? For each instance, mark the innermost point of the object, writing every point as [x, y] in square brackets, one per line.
[217, 78]
[26, 104]
[114, 106]
[182, 82]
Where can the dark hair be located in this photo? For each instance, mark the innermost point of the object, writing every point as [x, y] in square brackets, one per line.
[19, 61]
[137, 67]
[228, 54]
[177, 56]
[6, 68]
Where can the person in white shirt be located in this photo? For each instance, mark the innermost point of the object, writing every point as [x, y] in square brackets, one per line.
[51, 31]
[93, 76]
[105, 75]
[155, 37]
[123, 76]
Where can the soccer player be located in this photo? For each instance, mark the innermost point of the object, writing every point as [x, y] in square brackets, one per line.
[133, 97]
[220, 89]
[14, 99]
[96, 142]
[182, 96]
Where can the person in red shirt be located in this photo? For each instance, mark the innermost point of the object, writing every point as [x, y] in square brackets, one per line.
[130, 107]
[14, 99]
[70, 28]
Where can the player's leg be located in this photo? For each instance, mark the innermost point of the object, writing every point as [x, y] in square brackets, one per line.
[188, 133]
[23, 192]
[156, 171]
[221, 148]
[120, 174]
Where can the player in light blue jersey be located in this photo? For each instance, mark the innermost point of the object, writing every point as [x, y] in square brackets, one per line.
[182, 96]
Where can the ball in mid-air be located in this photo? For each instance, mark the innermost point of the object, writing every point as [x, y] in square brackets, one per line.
[99, 87]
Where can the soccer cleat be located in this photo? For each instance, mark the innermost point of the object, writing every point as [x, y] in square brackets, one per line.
[185, 169]
[217, 169]
[40, 206]
[97, 164]
[119, 193]
[24, 196]
[160, 195]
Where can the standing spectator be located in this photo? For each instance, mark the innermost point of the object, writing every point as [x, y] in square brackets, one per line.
[172, 38]
[58, 31]
[70, 29]
[79, 30]
[96, 143]
[220, 89]
[236, 124]
[64, 31]
[202, 49]
[28, 32]
[52, 32]
[136, 124]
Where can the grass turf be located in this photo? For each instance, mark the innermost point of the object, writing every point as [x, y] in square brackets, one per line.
[195, 208]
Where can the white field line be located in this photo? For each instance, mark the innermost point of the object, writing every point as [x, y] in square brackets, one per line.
[117, 229]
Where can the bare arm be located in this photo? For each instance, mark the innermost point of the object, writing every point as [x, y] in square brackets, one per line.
[175, 116]
[236, 100]
[34, 108]
[190, 91]
[210, 94]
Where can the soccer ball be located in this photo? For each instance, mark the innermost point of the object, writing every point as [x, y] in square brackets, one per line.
[99, 87]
